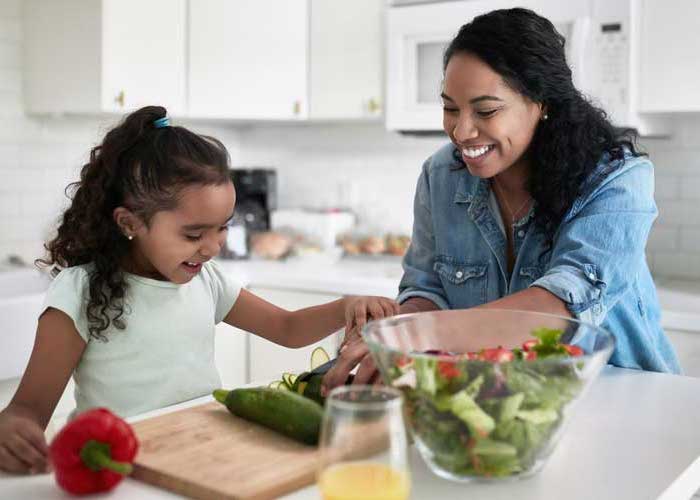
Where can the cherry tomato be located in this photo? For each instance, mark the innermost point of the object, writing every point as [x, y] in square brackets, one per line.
[573, 350]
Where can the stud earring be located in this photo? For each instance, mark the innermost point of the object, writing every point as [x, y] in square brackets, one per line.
[130, 237]
[545, 116]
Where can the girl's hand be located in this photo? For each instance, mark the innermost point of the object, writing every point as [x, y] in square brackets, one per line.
[23, 448]
[358, 309]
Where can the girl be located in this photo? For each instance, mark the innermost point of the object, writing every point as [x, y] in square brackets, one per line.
[537, 203]
[132, 312]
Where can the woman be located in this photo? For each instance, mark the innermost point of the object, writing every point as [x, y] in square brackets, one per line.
[538, 203]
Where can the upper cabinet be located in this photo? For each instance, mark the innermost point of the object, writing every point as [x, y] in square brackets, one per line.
[223, 59]
[669, 64]
[91, 56]
[248, 59]
[285, 59]
[346, 59]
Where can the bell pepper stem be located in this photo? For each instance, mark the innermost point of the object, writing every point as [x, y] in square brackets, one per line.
[97, 456]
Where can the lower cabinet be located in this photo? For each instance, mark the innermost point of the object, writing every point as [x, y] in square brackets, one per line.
[267, 361]
[231, 353]
[687, 345]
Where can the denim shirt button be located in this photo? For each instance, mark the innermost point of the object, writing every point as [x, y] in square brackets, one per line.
[459, 274]
[521, 233]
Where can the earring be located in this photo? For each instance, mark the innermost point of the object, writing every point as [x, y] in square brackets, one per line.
[545, 116]
[129, 237]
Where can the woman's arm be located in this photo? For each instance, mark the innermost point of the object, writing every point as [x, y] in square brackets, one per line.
[531, 299]
[305, 326]
[57, 350]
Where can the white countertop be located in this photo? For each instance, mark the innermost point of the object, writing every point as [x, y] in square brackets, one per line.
[680, 300]
[361, 276]
[634, 436]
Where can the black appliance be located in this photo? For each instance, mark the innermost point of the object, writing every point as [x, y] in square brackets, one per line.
[256, 198]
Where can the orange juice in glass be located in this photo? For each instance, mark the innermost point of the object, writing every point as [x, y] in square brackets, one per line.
[364, 445]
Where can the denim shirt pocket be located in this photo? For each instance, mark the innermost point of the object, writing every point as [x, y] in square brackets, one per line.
[464, 283]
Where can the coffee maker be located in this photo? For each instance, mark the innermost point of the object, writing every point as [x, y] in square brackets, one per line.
[256, 198]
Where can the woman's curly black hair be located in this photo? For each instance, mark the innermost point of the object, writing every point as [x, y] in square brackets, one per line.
[140, 167]
[528, 52]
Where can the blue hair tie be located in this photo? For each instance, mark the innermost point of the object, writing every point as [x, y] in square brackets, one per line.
[161, 122]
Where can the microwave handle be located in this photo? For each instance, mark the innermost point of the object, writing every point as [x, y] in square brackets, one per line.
[580, 31]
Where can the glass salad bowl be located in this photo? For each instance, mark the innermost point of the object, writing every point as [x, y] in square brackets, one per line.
[487, 392]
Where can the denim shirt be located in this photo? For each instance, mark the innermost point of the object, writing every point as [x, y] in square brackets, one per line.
[596, 264]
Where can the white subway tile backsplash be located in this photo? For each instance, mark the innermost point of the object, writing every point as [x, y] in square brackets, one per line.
[690, 187]
[667, 187]
[663, 238]
[677, 213]
[11, 80]
[10, 9]
[10, 56]
[10, 29]
[690, 239]
[683, 265]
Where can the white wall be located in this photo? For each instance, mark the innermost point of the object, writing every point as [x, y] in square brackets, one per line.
[361, 166]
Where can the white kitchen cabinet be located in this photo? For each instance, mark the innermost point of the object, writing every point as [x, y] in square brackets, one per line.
[669, 68]
[248, 59]
[267, 360]
[92, 56]
[346, 59]
[687, 345]
[285, 59]
[231, 351]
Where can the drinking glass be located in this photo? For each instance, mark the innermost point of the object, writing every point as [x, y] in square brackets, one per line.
[364, 445]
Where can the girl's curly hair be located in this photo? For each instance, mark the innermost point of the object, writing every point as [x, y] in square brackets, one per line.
[528, 52]
[140, 167]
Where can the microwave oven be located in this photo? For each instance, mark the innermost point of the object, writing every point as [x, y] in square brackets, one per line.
[602, 49]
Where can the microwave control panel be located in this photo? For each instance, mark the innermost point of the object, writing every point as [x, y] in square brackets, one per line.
[612, 66]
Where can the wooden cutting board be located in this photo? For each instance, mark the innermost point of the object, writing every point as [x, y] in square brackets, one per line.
[205, 452]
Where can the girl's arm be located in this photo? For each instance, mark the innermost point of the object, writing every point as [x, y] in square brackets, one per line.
[57, 350]
[305, 326]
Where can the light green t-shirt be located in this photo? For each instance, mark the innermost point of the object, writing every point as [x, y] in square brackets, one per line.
[165, 355]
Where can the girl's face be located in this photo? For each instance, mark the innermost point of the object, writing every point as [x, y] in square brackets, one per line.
[491, 124]
[179, 241]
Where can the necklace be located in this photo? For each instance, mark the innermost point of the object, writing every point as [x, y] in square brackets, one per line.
[505, 200]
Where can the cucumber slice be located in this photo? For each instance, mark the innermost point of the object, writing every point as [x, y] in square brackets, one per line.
[275, 384]
[318, 357]
[288, 379]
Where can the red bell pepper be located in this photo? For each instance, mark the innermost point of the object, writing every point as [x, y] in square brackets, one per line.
[93, 452]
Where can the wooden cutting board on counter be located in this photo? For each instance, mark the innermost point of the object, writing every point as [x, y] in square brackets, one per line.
[205, 452]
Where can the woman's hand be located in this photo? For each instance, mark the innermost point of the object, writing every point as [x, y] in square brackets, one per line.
[358, 309]
[23, 448]
[351, 354]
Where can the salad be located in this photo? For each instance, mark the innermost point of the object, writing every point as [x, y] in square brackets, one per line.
[490, 413]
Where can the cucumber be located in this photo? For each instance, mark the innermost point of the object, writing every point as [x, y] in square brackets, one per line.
[318, 357]
[283, 411]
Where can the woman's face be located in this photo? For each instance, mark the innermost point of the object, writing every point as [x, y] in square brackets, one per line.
[491, 124]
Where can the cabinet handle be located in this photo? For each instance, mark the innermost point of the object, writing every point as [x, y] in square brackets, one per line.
[120, 98]
[373, 105]
[297, 107]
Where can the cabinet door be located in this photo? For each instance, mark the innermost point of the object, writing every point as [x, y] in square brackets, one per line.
[248, 59]
[346, 59]
[668, 51]
[231, 351]
[143, 54]
[267, 360]
[687, 345]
